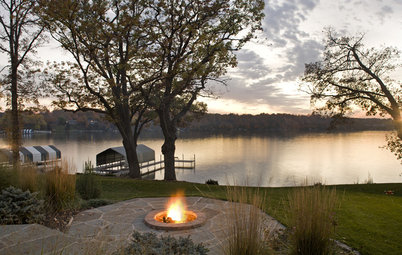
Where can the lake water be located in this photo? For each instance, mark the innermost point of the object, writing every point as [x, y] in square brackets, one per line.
[255, 160]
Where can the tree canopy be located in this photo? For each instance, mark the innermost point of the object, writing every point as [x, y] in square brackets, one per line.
[109, 46]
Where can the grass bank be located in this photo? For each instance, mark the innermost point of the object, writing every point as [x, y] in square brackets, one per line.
[368, 220]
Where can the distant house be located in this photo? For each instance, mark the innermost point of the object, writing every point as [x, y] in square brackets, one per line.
[27, 131]
[93, 122]
[72, 123]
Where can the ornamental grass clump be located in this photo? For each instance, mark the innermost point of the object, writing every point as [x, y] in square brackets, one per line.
[20, 207]
[59, 188]
[28, 178]
[24, 177]
[312, 219]
[87, 185]
[246, 233]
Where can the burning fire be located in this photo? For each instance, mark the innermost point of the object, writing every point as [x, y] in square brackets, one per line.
[175, 216]
[176, 209]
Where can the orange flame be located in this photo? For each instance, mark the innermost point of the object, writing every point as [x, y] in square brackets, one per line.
[176, 208]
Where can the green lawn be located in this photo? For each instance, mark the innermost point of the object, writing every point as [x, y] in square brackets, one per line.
[368, 220]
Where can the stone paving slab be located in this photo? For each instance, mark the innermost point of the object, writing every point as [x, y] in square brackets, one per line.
[105, 229]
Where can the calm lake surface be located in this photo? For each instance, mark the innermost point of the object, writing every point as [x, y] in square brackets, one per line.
[255, 160]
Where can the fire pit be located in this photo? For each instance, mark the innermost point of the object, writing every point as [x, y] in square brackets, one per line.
[175, 217]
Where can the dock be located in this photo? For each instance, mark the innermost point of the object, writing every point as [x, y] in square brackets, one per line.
[149, 167]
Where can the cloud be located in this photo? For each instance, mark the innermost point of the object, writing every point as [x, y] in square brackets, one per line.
[265, 92]
[282, 26]
[387, 9]
[384, 13]
[282, 20]
[302, 53]
[259, 79]
[251, 65]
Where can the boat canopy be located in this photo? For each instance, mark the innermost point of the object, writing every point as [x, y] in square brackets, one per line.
[32, 154]
[118, 154]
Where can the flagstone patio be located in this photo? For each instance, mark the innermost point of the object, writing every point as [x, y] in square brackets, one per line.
[105, 229]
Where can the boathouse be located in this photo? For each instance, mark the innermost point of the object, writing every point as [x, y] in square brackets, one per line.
[115, 158]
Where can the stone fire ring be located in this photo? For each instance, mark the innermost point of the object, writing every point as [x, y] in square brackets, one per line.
[151, 222]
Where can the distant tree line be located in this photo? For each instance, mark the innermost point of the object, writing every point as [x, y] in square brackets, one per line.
[283, 124]
[208, 124]
[59, 121]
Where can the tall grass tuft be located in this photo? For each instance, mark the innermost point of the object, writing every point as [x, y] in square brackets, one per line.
[87, 185]
[28, 178]
[370, 179]
[24, 177]
[312, 219]
[246, 231]
[59, 187]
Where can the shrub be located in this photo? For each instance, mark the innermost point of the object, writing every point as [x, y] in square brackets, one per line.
[312, 219]
[20, 207]
[246, 233]
[59, 188]
[149, 243]
[87, 185]
[211, 182]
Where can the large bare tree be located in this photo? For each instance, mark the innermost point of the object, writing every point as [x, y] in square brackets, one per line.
[194, 43]
[110, 73]
[351, 75]
[20, 34]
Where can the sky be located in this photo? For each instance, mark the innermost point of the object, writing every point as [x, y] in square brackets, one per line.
[266, 79]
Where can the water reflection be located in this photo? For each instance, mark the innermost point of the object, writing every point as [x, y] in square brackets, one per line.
[264, 161]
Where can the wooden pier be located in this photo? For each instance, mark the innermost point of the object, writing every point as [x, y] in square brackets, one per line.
[120, 168]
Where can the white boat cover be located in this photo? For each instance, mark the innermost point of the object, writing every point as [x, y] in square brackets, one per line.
[32, 154]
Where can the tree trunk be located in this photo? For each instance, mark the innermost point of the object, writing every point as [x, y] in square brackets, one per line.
[168, 147]
[132, 159]
[397, 120]
[168, 150]
[398, 127]
[130, 145]
[15, 123]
